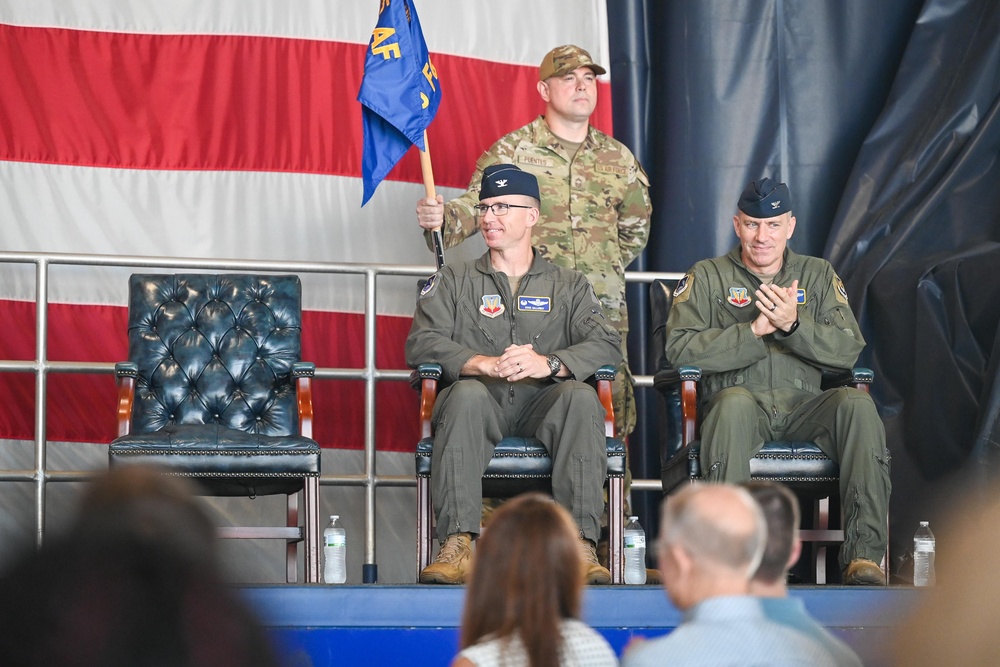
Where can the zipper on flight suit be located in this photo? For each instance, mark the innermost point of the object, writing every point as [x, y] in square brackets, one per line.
[484, 330]
[512, 298]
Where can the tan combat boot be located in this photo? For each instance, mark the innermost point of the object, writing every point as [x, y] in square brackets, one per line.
[863, 572]
[593, 571]
[452, 562]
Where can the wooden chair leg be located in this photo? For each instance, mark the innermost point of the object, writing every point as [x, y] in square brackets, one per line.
[424, 519]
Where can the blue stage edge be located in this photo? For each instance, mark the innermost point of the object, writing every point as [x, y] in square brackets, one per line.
[418, 625]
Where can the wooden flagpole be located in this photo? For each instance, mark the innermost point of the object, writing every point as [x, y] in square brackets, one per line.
[428, 172]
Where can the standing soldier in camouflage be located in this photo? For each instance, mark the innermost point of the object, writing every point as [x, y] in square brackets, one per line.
[595, 196]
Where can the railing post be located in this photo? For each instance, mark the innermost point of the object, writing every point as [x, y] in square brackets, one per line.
[41, 390]
[370, 568]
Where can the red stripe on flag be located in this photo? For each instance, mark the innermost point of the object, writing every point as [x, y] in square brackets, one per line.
[227, 102]
[81, 408]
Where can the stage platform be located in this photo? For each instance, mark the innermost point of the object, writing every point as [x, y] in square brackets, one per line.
[418, 625]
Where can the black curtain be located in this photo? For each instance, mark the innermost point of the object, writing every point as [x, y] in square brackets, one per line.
[883, 119]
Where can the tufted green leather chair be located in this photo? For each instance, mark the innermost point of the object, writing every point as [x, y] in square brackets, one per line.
[215, 390]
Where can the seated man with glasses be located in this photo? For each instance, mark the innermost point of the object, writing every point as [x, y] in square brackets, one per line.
[515, 336]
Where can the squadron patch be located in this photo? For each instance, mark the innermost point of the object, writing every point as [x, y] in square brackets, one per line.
[738, 297]
[492, 305]
[429, 286]
[534, 304]
[800, 297]
[839, 290]
[683, 289]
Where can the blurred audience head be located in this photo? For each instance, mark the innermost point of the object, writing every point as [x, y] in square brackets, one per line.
[134, 581]
[781, 511]
[712, 537]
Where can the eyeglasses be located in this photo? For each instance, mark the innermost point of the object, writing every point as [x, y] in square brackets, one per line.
[498, 209]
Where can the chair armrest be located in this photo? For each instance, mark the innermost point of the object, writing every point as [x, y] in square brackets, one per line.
[425, 378]
[603, 377]
[126, 373]
[425, 371]
[302, 372]
[859, 378]
[684, 379]
[606, 373]
[667, 378]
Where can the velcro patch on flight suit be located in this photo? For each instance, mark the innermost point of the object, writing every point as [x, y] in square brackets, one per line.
[429, 286]
[534, 304]
[738, 297]
[839, 291]
[492, 305]
[683, 289]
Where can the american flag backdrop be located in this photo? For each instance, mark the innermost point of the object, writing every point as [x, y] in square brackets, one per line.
[231, 129]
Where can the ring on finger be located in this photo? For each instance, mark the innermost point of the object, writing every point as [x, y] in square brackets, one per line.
[773, 306]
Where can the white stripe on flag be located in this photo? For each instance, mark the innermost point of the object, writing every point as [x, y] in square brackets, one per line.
[515, 32]
[233, 214]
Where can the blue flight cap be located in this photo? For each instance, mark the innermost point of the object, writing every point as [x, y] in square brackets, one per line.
[765, 199]
[506, 179]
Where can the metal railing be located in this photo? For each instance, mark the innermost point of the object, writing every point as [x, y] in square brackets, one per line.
[41, 367]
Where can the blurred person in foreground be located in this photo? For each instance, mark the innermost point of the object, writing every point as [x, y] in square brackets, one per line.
[763, 323]
[712, 538]
[955, 621]
[133, 582]
[781, 511]
[522, 607]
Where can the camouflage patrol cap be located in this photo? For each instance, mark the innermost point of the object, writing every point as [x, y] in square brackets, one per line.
[765, 199]
[507, 179]
[565, 59]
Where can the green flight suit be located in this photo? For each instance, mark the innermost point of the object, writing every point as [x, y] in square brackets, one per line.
[758, 389]
[467, 309]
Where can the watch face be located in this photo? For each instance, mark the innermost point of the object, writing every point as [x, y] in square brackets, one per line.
[554, 364]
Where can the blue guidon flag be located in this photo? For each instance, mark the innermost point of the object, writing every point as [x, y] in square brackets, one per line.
[400, 93]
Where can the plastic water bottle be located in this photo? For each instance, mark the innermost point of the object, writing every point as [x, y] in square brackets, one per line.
[923, 556]
[635, 552]
[334, 552]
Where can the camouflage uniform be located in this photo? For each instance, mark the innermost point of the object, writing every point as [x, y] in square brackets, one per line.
[595, 213]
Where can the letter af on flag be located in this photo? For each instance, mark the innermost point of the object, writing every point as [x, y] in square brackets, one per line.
[399, 95]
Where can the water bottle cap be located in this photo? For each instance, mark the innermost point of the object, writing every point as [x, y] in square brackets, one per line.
[924, 524]
[633, 518]
[334, 517]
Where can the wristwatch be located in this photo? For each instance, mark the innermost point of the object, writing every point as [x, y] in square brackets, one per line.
[791, 329]
[555, 365]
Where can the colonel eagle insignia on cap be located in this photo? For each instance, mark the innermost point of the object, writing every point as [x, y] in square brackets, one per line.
[507, 179]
